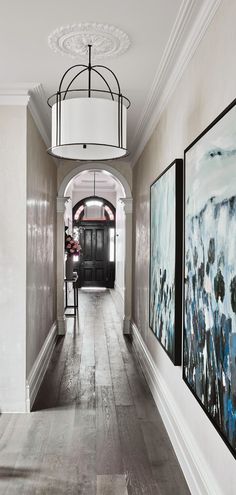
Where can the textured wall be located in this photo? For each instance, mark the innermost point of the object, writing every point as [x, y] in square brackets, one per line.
[41, 243]
[12, 257]
[206, 88]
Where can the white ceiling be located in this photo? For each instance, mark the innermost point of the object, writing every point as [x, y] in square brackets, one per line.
[158, 29]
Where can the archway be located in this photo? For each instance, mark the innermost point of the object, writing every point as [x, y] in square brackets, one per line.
[126, 201]
[94, 166]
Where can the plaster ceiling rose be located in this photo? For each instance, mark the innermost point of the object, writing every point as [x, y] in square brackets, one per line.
[73, 40]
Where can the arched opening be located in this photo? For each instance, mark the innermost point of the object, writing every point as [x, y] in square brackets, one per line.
[82, 168]
[94, 223]
[68, 197]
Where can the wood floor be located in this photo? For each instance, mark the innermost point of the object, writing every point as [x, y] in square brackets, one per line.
[95, 429]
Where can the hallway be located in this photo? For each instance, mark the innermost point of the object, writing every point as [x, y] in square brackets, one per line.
[95, 428]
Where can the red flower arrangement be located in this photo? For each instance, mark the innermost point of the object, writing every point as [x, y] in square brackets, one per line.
[72, 247]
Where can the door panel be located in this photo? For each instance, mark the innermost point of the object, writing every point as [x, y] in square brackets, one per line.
[99, 274]
[88, 274]
[100, 248]
[94, 267]
[87, 253]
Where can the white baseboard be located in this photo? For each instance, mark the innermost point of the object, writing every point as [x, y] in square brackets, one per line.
[126, 326]
[39, 368]
[61, 325]
[196, 472]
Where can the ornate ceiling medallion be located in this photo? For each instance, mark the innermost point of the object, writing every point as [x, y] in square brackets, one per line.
[106, 40]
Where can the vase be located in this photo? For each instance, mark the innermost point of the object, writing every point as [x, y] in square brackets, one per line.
[69, 267]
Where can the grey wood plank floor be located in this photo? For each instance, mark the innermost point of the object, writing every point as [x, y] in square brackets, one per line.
[94, 429]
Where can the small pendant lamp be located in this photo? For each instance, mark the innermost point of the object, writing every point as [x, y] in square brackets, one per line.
[88, 124]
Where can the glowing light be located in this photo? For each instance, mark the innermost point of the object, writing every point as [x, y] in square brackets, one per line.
[78, 212]
[94, 202]
[108, 210]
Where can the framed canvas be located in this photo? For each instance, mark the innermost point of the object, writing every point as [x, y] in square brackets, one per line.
[209, 337]
[165, 279]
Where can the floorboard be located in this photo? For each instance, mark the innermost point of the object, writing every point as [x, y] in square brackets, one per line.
[108, 449]
[94, 429]
[115, 484]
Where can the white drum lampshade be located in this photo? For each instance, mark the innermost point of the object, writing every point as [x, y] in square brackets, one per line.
[89, 129]
[89, 124]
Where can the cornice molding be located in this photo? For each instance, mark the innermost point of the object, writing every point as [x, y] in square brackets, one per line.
[16, 93]
[168, 75]
[27, 94]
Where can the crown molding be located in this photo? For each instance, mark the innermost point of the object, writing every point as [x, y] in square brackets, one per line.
[169, 73]
[16, 93]
[27, 94]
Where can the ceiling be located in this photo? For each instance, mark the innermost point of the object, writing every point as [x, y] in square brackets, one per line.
[158, 30]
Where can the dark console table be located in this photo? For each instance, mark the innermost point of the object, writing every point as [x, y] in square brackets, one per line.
[75, 289]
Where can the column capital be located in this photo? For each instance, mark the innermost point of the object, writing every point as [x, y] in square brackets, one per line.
[61, 203]
[127, 204]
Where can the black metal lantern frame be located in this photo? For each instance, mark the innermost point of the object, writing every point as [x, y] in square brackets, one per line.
[67, 92]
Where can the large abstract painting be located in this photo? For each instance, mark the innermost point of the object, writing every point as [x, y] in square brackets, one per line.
[166, 259]
[210, 273]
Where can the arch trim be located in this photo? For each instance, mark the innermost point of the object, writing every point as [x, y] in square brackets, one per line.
[94, 166]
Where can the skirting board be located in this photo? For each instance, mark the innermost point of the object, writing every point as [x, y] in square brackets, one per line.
[197, 474]
[39, 368]
[126, 326]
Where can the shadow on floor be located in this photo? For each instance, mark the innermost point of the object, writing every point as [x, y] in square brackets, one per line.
[11, 472]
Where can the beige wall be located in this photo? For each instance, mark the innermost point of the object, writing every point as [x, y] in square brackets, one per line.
[206, 88]
[12, 257]
[27, 251]
[41, 243]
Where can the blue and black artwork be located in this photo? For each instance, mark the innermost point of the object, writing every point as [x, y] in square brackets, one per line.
[165, 259]
[209, 366]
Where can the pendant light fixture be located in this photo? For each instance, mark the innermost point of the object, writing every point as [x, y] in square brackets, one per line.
[89, 124]
[94, 182]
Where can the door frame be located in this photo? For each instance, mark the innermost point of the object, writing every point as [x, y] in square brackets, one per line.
[108, 223]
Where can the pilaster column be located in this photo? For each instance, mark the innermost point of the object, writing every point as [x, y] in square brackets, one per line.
[128, 210]
[61, 319]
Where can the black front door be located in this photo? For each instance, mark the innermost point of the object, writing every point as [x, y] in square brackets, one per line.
[95, 269]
